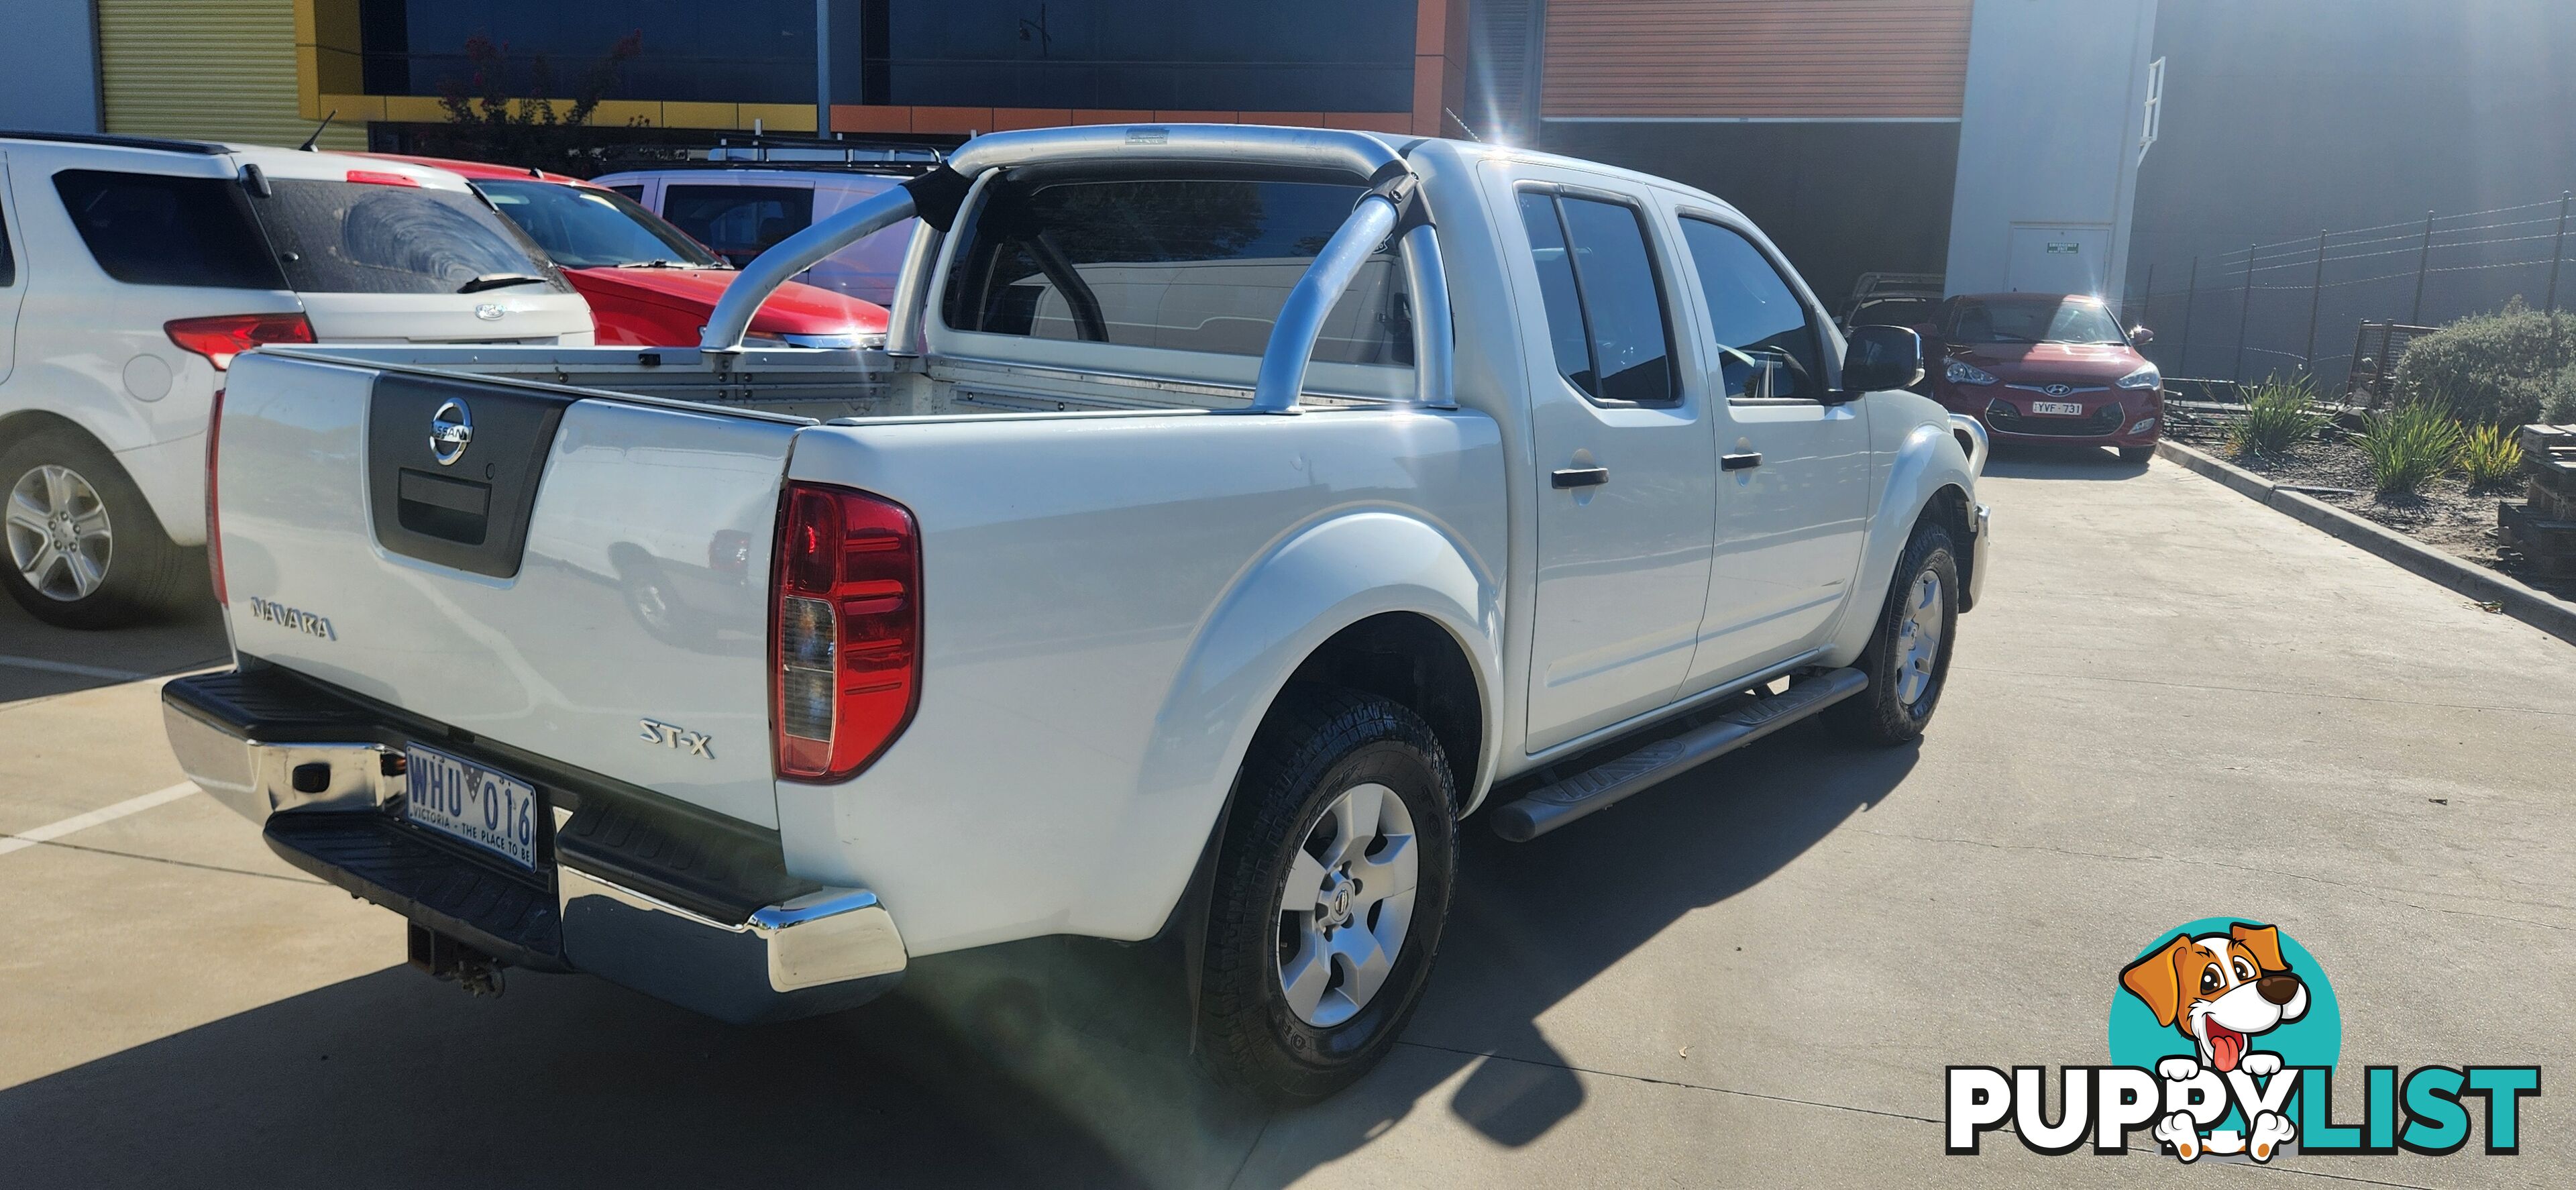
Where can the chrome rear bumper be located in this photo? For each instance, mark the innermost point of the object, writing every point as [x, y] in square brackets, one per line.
[829, 949]
[1981, 527]
[328, 805]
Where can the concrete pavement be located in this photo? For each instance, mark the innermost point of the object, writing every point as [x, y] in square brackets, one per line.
[2174, 704]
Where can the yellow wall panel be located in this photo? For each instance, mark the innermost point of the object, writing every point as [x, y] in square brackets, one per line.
[222, 70]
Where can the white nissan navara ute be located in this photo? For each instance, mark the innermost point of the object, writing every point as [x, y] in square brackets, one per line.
[133, 270]
[1228, 514]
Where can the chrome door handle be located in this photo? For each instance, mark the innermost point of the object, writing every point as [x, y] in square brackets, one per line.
[1580, 477]
[1740, 462]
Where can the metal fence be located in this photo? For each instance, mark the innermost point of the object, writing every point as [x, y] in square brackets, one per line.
[2269, 309]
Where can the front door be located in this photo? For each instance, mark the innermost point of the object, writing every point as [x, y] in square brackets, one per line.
[1793, 488]
[1626, 516]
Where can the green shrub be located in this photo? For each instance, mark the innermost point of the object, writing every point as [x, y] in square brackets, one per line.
[2410, 444]
[2281, 414]
[2491, 456]
[2499, 369]
[2557, 396]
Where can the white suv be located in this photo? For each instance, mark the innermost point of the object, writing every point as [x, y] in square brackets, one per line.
[133, 270]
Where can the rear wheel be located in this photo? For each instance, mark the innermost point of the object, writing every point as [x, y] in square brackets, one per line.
[1332, 884]
[83, 549]
[1908, 655]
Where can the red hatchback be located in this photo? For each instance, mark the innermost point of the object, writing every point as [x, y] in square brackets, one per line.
[647, 282]
[2046, 367]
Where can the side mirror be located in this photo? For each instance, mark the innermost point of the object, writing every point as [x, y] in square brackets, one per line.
[2140, 336]
[1881, 357]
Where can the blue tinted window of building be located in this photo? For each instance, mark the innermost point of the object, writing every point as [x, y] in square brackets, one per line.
[1323, 56]
[743, 51]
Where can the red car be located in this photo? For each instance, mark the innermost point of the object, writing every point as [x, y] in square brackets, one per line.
[647, 282]
[2045, 367]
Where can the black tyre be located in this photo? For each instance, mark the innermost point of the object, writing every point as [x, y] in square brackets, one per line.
[82, 548]
[1332, 884]
[2136, 454]
[1908, 656]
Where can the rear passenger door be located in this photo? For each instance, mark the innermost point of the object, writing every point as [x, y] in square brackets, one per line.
[1626, 516]
[866, 270]
[1793, 495]
[739, 221]
[13, 272]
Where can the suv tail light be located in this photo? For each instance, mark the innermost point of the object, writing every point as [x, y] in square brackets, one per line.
[224, 336]
[214, 526]
[845, 631]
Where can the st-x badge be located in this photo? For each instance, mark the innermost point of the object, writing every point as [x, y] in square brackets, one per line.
[451, 430]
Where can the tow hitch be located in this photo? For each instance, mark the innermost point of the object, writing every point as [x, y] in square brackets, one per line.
[445, 958]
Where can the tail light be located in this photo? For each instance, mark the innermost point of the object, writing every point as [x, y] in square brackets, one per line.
[214, 526]
[845, 631]
[224, 336]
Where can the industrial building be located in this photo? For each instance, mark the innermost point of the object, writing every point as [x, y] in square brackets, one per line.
[1996, 141]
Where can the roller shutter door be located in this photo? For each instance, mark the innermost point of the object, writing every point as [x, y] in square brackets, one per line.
[1756, 59]
[220, 70]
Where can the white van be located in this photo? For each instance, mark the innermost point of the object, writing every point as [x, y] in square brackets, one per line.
[133, 270]
[742, 212]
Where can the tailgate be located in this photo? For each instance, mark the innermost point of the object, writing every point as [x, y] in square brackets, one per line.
[587, 579]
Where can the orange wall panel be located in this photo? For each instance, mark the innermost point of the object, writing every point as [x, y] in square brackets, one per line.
[1754, 59]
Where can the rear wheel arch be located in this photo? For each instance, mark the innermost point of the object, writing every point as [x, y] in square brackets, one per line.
[27, 423]
[1412, 660]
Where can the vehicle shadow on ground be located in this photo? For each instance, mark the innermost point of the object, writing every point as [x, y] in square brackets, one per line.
[2039, 460]
[38, 660]
[1062, 1061]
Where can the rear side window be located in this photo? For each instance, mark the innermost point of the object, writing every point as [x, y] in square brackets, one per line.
[364, 237]
[1604, 301]
[1198, 264]
[740, 222]
[633, 192]
[146, 229]
[1765, 346]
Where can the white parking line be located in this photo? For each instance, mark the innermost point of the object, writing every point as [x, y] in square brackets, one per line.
[81, 822]
[71, 667]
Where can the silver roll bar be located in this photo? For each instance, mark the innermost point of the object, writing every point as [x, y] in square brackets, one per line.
[903, 322]
[1434, 336]
[1281, 379]
[1147, 144]
[1301, 318]
[795, 254]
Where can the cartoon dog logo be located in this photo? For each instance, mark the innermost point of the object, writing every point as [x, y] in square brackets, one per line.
[2221, 991]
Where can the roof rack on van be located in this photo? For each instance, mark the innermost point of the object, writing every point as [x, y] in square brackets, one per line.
[781, 152]
[164, 144]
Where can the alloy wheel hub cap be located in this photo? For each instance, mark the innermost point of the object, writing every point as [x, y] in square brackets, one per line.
[57, 533]
[1918, 638]
[1346, 905]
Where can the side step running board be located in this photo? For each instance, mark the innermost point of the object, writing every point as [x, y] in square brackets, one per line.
[1555, 805]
